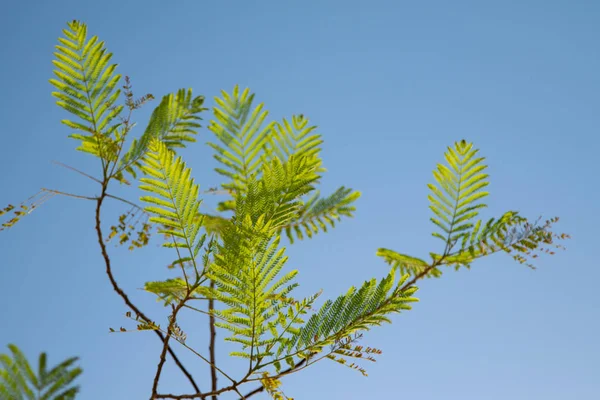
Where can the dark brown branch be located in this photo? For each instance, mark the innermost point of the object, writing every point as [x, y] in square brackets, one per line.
[121, 293]
[233, 387]
[163, 353]
[211, 347]
[214, 393]
[421, 275]
[255, 391]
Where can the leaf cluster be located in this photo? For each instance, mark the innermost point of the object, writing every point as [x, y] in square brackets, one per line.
[455, 200]
[19, 381]
[236, 259]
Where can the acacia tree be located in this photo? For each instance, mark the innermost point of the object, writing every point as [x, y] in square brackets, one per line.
[234, 261]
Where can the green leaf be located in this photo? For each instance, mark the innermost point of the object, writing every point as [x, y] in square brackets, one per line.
[175, 122]
[19, 381]
[176, 193]
[407, 264]
[457, 189]
[86, 85]
[241, 134]
[319, 213]
[353, 312]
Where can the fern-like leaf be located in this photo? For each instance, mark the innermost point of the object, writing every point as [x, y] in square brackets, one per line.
[293, 139]
[355, 311]
[173, 201]
[248, 263]
[173, 290]
[241, 134]
[18, 380]
[87, 88]
[174, 121]
[247, 143]
[455, 199]
[339, 323]
[511, 234]
[251, 289]
[408, 264]
[317, 213]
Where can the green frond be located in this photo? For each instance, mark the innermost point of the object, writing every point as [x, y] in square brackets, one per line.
[293, 139]
[174, 198]
[454, 198]
[18, 380]
[246, 144]
[15, 379]
[215, 224]
[63, 379]
[353, 312]
[169, 290]
[282, 185]
[511, 234]
[317, 213]
[172, 290]
[455, 202]
[276, 196]
[407, 264]
[247, 268]
[242, 136]
[247, 274]
[86, 86]
[175, 122]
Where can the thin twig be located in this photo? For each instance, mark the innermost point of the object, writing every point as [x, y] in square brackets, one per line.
[242, 397]
[76, 170]
[217, 191]
[124, 201]
[69, 194]
[206, 360]
[187, 282]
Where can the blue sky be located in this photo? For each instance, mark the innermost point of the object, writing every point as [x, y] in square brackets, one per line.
[390, 84]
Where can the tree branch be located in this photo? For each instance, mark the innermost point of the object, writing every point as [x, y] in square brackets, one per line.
[163, 354]
[121, 293]
[78, 171]
[125, 201]
[69, 194]
[211, 347]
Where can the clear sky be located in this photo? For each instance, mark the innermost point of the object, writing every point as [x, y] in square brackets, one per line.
[390, 84]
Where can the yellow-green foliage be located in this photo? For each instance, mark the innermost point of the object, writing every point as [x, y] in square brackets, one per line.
[272, 171]
[19, 381]
[174, 200]
[174, 121]
[248, 262]
[87, 88]
[246, 142]
[455, 200]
